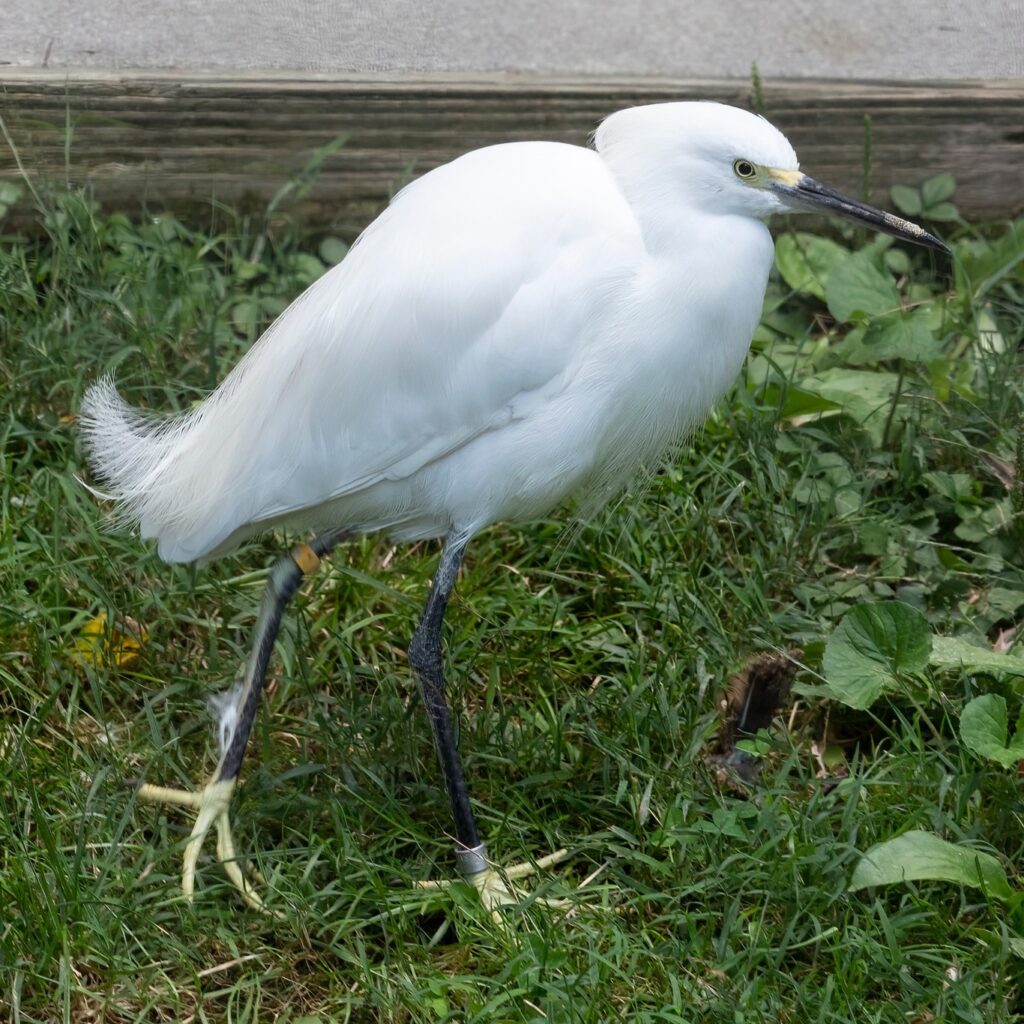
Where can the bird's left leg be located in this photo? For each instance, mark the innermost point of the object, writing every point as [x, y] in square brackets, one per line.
[491, 882]
[213, 801]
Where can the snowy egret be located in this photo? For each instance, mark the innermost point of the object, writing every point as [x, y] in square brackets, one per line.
[529, 321]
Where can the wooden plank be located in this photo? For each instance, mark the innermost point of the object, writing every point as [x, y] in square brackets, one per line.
[178, 140]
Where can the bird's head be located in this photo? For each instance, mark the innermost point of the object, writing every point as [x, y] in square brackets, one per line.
[721, 159]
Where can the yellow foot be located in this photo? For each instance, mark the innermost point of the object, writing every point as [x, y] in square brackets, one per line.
[496, 886]
[212, 803]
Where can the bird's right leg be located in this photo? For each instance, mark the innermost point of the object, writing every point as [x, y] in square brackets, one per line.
[213, 801]
[493, 884]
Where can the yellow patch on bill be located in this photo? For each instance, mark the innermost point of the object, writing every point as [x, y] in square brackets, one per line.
[791, 178]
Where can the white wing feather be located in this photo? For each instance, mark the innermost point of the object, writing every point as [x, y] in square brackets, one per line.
[458, 308]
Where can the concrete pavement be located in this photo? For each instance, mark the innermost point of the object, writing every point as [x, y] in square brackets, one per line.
[839, 39]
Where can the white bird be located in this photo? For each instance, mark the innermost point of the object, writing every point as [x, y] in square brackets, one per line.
[528, 322]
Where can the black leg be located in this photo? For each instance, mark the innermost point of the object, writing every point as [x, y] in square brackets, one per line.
[426, 660]
[284, 580]
[212, 802]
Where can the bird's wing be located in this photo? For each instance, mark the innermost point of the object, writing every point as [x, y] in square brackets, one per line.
[464, 302]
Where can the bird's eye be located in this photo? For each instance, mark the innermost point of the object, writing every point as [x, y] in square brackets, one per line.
[744, 169]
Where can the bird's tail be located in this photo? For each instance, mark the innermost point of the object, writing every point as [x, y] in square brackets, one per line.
[154, 469]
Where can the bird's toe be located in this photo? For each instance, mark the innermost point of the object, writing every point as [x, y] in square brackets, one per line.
[213, 804]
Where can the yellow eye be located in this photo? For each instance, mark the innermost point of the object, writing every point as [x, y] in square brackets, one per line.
[744, 169]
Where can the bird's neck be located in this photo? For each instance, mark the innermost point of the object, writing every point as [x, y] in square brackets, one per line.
[704, 279]
[684, 233]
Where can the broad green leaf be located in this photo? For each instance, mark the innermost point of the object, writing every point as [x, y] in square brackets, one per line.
[862, 395]
[247, 270]
[857, 286]
[873, 646]
[952, 486]
[893, 336]
[875, 537]
[984, 727]
[906, 200]
[797, 403]
[918, 856]
[332, 250]
[10, 192]
[897, 260]
[902, 336]
[245, 315]
[306, 267]
[955, 653]
[805, 261]
[1005, 600]
[942, 212]
[937, 190]
[984, 520]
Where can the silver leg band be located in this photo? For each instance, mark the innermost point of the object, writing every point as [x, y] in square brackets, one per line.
[471, 860]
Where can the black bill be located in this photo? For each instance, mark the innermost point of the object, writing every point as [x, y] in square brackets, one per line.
[813, 196]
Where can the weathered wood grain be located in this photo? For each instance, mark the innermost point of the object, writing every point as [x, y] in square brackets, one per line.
[180, 140]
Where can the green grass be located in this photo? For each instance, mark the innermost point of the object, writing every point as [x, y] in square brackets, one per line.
[584, 669]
